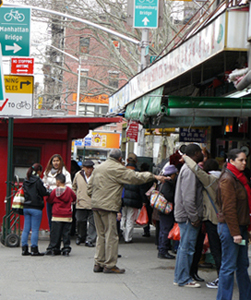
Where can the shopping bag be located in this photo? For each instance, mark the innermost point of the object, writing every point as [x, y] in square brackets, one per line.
[18, 202]
[143, 217]
[174, 233]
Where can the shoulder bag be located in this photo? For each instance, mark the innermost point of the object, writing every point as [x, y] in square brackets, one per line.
[158, 201]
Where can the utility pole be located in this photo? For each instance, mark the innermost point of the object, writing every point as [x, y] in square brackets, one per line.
[144, 48]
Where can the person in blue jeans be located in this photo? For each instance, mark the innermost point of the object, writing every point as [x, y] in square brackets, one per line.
[188, 213]
[34, 191]
[234, 200]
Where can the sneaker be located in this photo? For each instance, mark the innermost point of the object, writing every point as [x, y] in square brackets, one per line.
[192, 284]
[213, 284]
[175, 283]
[114, 270]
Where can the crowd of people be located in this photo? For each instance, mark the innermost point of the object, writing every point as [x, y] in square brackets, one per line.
[107, 200]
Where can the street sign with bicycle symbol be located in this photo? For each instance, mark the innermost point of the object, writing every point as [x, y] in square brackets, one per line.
[18, 96]
[15, 15]
[15, 31]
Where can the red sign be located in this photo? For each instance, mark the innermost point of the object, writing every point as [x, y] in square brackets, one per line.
[132, 131]
[22, 66]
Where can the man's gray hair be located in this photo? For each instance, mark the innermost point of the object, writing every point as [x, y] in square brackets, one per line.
[116, 153]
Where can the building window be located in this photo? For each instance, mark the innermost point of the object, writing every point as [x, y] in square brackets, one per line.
[114, 79]
[93, 110]
[23, 158]
[83, 79]
[84, 45]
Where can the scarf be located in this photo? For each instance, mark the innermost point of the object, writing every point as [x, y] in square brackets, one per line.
[243, 179]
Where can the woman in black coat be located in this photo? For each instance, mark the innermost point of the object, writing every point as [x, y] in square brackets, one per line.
[166, 220]
[34, 191]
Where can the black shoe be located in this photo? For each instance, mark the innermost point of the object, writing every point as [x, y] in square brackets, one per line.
[98, 269]
[25, 251]
[35, 252]
[78, 241]
[166, 256]
[65, 253]
[146, 234]
[89, 244]
[196, 277]
[48, 252]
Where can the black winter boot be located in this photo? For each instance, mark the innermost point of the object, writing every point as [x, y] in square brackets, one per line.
[35, 252]
[25, 250]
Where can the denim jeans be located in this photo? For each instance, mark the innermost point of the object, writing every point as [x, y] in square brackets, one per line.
[32, 221]
[234, 258]
[184, 258]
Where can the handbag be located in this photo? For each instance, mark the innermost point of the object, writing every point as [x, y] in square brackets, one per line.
[158, 201]
[143, 217]
[18, 202]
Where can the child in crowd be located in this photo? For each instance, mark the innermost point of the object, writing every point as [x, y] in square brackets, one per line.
[62, 199]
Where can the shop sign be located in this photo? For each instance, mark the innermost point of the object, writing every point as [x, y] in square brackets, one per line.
[132, 132]
[192, 135]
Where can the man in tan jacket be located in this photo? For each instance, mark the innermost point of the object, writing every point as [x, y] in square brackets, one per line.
[105, 188]
[84, 213]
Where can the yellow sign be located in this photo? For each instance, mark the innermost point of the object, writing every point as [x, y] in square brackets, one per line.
[18, 84]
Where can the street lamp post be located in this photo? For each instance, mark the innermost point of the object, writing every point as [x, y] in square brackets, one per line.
[79, 75]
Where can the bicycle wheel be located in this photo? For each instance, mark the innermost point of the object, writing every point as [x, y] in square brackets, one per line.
[8, 17]
[27, 106]
[20, 17]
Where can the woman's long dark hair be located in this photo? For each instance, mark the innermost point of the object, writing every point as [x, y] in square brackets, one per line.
[232, 154]
[50, 166]
[33, 170]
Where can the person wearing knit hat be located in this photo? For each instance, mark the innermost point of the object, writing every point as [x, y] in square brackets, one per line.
[166, 221]
[86, 230]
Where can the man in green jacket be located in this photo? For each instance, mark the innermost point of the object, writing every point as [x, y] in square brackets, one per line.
[105, 188]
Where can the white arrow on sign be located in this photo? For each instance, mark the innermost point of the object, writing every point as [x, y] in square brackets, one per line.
[145, 21]
[15, 48]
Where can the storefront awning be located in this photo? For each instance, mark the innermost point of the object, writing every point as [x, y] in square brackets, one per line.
[157, 110]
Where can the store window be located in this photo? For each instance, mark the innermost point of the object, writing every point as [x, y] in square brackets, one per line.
[23, 158]
[84, 45]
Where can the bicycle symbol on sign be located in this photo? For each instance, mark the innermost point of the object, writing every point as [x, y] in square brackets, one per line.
[23, 104]
[14, 14]
[143, 1]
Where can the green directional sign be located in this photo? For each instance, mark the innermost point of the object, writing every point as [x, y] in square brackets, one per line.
[1, 79]
[146, 13]
[15, 31]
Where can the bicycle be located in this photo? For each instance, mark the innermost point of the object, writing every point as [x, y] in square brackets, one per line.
[14, 14]
[23, 104]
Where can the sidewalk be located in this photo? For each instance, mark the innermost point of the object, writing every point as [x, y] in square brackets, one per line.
[59, 277]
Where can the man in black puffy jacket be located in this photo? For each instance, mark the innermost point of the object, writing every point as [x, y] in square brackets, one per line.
[132, 202]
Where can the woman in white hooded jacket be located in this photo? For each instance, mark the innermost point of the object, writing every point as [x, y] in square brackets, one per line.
[55, 166]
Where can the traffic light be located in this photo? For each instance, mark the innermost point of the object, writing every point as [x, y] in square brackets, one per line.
[1, 3]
